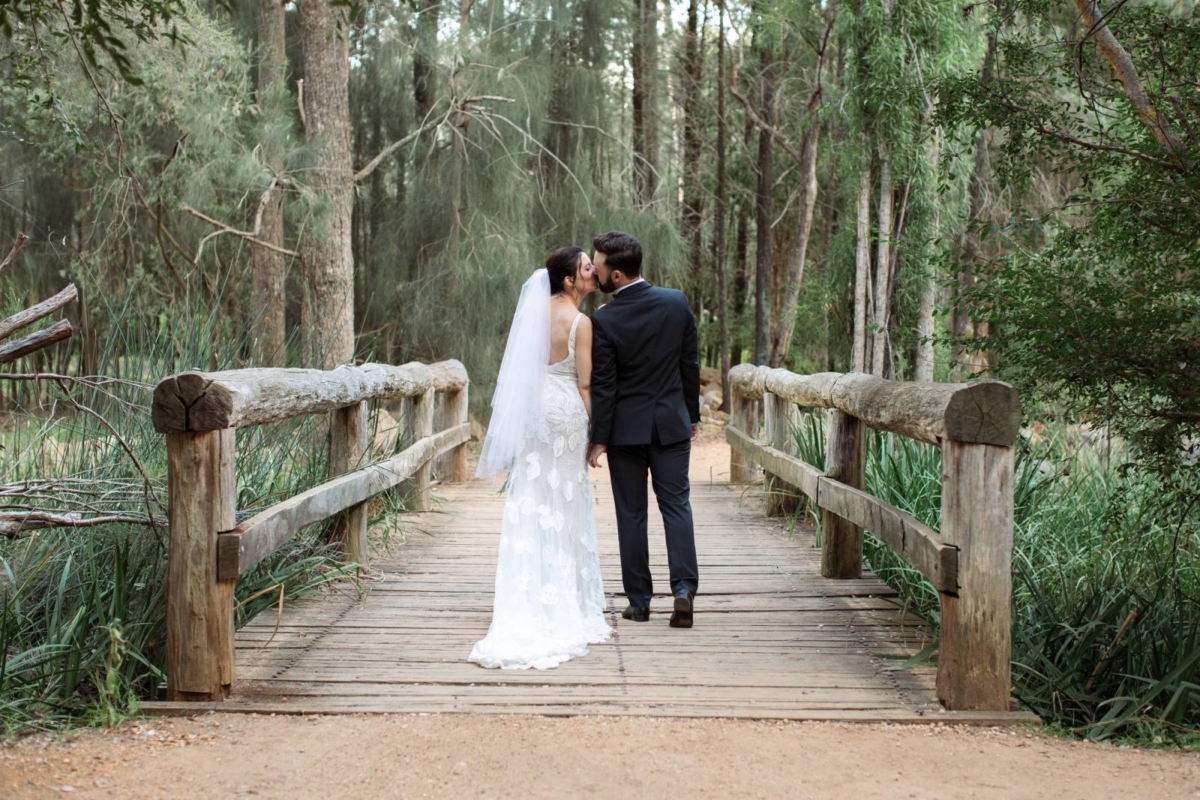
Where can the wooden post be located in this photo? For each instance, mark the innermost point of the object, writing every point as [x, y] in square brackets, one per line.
[745, 419]
[780, 419]
[842, 544]
[347, 446]
[457, 412]
[202, 502]
[974, 660]
[420, 424]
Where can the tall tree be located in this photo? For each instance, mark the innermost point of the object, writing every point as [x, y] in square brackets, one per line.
[883, 243]
[644, 65]
[693, 188]
[862, 270]
[806, 202]
[268, 264]
[327, 312]
[719, 221]
[973, 360]
[424, 57]
[764, 205]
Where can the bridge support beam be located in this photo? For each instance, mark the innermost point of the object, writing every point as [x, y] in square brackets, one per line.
[744, 417]
[202, 502]
[347, 446]
[419, 421]
[457, 411]
[974, 660]
[842, 540]
[780, 417]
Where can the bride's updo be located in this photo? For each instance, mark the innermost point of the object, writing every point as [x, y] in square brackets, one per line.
[563, 263]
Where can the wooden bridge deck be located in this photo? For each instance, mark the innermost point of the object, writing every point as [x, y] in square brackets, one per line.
[772, 638]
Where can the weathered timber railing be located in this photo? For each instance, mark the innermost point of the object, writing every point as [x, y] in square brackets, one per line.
[199, 413]
[969, 561]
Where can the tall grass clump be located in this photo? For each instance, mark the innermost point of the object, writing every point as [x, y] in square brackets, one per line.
[1106, 579]
[82, 609]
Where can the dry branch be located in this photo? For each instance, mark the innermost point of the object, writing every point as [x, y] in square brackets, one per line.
[32, 314]
[17, 247]
[14, 523]
[36, 341]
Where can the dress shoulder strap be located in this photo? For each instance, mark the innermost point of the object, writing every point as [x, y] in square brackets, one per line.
[571, 337]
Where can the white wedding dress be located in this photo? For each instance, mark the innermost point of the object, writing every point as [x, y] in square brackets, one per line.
[549, 602]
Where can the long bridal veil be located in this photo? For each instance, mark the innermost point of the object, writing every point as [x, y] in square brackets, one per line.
[516, 403]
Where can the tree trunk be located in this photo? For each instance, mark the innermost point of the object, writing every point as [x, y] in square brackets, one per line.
[1123, 68]
[828, 231]
[862, 272]
[327, 314]
[785, 321]
[883, 267]
[719, 223]
[923, 368]
[923, 363]
[269, 268]
[741, 282]
[424, 56]
[806, 203]
[458, 198]
[962, 325]
[763, 212]
[644, 64]
[693, 190]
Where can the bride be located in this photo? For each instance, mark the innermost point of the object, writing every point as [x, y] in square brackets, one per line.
[549, 602]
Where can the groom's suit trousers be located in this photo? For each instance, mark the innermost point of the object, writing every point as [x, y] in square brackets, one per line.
[667, 465]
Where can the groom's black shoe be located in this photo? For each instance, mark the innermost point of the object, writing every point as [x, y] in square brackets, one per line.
[636, 614]
[682, 618]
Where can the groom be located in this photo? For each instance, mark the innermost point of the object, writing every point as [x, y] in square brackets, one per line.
[645, 416]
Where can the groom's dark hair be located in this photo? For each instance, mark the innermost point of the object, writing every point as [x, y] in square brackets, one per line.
[621, 251]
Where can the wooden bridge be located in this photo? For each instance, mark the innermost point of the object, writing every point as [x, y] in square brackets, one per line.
[784, 629]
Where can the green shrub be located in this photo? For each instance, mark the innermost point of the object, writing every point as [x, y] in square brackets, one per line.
[1106, 580]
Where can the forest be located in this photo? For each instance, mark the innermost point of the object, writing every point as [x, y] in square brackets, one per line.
[918, 189]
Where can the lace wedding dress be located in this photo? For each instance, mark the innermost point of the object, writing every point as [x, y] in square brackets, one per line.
[549, 602]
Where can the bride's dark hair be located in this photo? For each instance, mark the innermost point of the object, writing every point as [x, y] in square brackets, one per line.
[563, 263]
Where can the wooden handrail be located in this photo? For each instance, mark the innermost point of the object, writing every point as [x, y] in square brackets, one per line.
[213, 401]
[969, 561]
[200, 412]
[920, 545]
[981, 412]
[244, 547]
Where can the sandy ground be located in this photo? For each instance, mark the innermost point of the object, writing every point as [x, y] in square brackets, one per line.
[500, 756]
[228, 755]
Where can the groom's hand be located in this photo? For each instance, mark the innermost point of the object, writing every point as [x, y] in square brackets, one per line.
[695, 431]
[594, 453]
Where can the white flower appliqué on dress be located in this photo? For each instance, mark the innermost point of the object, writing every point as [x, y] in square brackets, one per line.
[549, 602]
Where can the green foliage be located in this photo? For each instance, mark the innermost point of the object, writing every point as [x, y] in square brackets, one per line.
[95, 27]
[1106, 594]
[82, 610]
[1096, 307]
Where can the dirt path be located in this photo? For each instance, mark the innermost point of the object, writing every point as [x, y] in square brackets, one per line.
[497, 756]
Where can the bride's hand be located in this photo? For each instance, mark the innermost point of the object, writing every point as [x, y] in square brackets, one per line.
[594, 453]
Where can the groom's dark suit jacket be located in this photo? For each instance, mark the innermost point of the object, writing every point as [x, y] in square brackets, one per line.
[645, 368]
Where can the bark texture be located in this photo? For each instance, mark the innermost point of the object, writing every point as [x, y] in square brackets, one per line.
[269, 266]
[327, 314]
